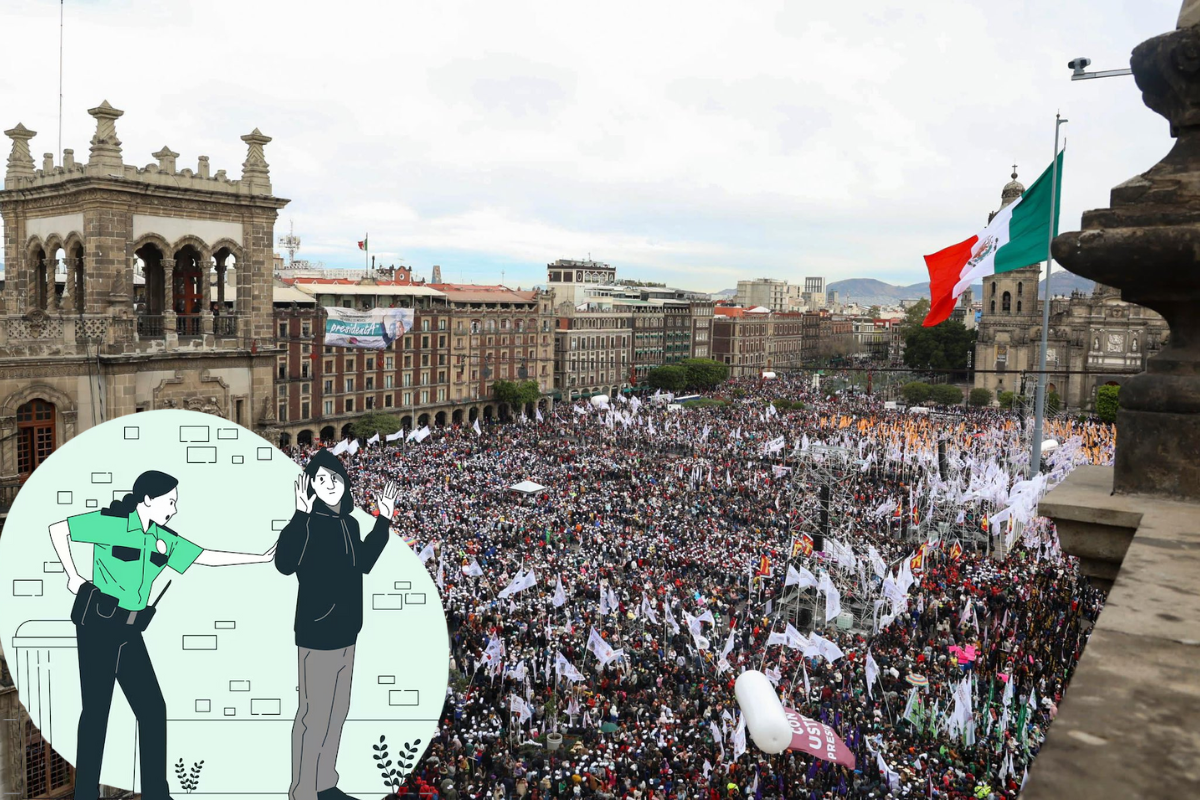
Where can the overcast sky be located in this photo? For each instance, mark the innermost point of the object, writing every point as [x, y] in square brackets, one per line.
[693, 143]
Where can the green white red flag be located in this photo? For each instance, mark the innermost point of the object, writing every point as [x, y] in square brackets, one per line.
[1016, 237]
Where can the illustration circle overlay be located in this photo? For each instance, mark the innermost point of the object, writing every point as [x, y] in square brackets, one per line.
[222, 640]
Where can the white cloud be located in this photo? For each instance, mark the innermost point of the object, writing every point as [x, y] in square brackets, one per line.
[693, 143]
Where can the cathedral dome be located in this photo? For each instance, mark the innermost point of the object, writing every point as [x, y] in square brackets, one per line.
[1012, 190]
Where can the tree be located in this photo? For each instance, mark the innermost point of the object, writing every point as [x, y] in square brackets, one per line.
[515, 394]
[945, 394]
[945, 346]
[1006, 399]
[1107, 403]
[873, 312]
[979, 398]
[668, 378]
[705, 373]
[1053, 403]
[914, 316]
[915, 392]
[374, 422]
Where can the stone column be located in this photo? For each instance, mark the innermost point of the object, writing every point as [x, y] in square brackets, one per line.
[206, 317]
[168, 266]
[51, 285]
[1145, 245]
[67, 303]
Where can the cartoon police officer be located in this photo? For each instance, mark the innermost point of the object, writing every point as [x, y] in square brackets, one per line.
[131, 547]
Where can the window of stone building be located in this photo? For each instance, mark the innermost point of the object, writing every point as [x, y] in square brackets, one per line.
[425, 324]
[46, 771]
[370, 382]
[406, 398]
[283, 412]
[1020, 289]
[993, 308]
[304, 368]
[1018, 306]
[370, 402]
[283, 330]
[387, 401]
[349, 404]
[304, 409]
[1006, 302]
[328, 387]
[329, 408]
[370, 363]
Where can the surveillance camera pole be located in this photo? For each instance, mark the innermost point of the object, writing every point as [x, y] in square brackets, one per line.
[1080, 75]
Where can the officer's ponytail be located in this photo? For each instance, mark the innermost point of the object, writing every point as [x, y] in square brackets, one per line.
[150, 483]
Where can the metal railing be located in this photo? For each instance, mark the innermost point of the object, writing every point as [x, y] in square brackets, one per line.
[225, 326]
[150, 325]
[187, 325]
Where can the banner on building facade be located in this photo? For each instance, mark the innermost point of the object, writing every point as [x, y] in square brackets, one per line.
[374, 329]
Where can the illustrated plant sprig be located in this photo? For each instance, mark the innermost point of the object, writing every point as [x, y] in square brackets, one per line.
[394, 776]
[189, 780]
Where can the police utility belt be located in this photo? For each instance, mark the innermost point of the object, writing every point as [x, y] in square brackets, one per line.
[95, 608]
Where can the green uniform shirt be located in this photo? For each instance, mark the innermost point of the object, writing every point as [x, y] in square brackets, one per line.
[126, 558]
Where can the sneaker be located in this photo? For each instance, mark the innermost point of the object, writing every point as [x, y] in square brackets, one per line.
[333, 793]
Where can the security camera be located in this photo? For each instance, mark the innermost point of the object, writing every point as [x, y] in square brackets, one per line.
[1079, 64]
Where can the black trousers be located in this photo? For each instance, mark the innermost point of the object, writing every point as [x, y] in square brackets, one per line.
[109, 654]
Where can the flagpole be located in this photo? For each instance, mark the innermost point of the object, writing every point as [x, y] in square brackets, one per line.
[1035, 457]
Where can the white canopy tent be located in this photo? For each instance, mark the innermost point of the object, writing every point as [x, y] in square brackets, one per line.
[527, 487]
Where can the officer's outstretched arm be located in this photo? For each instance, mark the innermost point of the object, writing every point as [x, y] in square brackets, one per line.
[221, 558]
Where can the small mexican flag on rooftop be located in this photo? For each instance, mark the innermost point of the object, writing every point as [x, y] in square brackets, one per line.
[363, 244]
[1016, 237]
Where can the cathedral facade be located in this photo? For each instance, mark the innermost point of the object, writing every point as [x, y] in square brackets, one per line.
[1094, 339]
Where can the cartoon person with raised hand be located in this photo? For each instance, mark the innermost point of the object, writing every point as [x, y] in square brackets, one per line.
[131, 546]
[320, 545]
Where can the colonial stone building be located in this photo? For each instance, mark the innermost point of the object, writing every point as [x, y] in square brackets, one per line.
[464, 338]
[1094, 339]
[79, 345]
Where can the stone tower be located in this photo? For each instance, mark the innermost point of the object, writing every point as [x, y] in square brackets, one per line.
[156, 279]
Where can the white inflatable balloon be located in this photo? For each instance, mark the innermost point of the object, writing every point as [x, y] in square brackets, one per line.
[599, 400]
[768, 725]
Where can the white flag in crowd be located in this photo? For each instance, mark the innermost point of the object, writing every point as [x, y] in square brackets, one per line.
[473, 570]
[565, 669]
[560, 597]
[872, 673]
[519, 706]
[391, 437]
[374, 439]
[340, 447]
[520, 583]
[799, 576]
[426, 553]
[476, 428]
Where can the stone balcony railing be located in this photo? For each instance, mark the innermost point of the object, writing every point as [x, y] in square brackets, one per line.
[65, 335]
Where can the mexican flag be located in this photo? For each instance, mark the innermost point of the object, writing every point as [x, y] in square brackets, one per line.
[1016, 237]
[363, 244]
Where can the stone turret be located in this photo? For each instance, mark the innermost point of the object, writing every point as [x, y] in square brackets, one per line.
[106, 147]
[20, 160]
[166, 160]
[256, 173]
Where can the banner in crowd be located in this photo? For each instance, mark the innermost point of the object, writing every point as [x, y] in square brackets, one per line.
[817, 739]
[374, 329]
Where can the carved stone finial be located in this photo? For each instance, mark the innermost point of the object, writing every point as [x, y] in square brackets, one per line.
[106, 147]
[68, 159]
[20, 160]
[202, 167]
[1144, 245]
[256, 173]
[47, 163]
[166, 160]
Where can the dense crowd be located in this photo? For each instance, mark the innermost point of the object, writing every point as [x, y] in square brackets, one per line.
[653, 517]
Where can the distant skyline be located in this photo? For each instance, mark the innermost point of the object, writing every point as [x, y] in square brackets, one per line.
[730, 142]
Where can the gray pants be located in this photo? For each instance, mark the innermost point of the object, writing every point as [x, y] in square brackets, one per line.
[324, 705]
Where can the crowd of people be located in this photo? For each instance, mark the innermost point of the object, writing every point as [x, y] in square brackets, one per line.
[670, 531]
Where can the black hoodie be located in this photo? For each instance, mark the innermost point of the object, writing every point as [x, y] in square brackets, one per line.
[323, 549]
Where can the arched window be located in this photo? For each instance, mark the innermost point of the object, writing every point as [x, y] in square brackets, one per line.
[993, 288]
[35, 435]
[1006, 302]
[993, 307]
[1018, 305]
[1020, 287]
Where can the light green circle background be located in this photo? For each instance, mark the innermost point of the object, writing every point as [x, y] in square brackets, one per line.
[231, 706]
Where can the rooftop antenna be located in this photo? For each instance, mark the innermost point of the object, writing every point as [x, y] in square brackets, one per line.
[61, 15]
[291, 243]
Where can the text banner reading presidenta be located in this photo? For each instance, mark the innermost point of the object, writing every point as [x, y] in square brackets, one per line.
[374, 329]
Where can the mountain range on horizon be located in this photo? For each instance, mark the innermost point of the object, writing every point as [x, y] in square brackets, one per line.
[873, 292]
